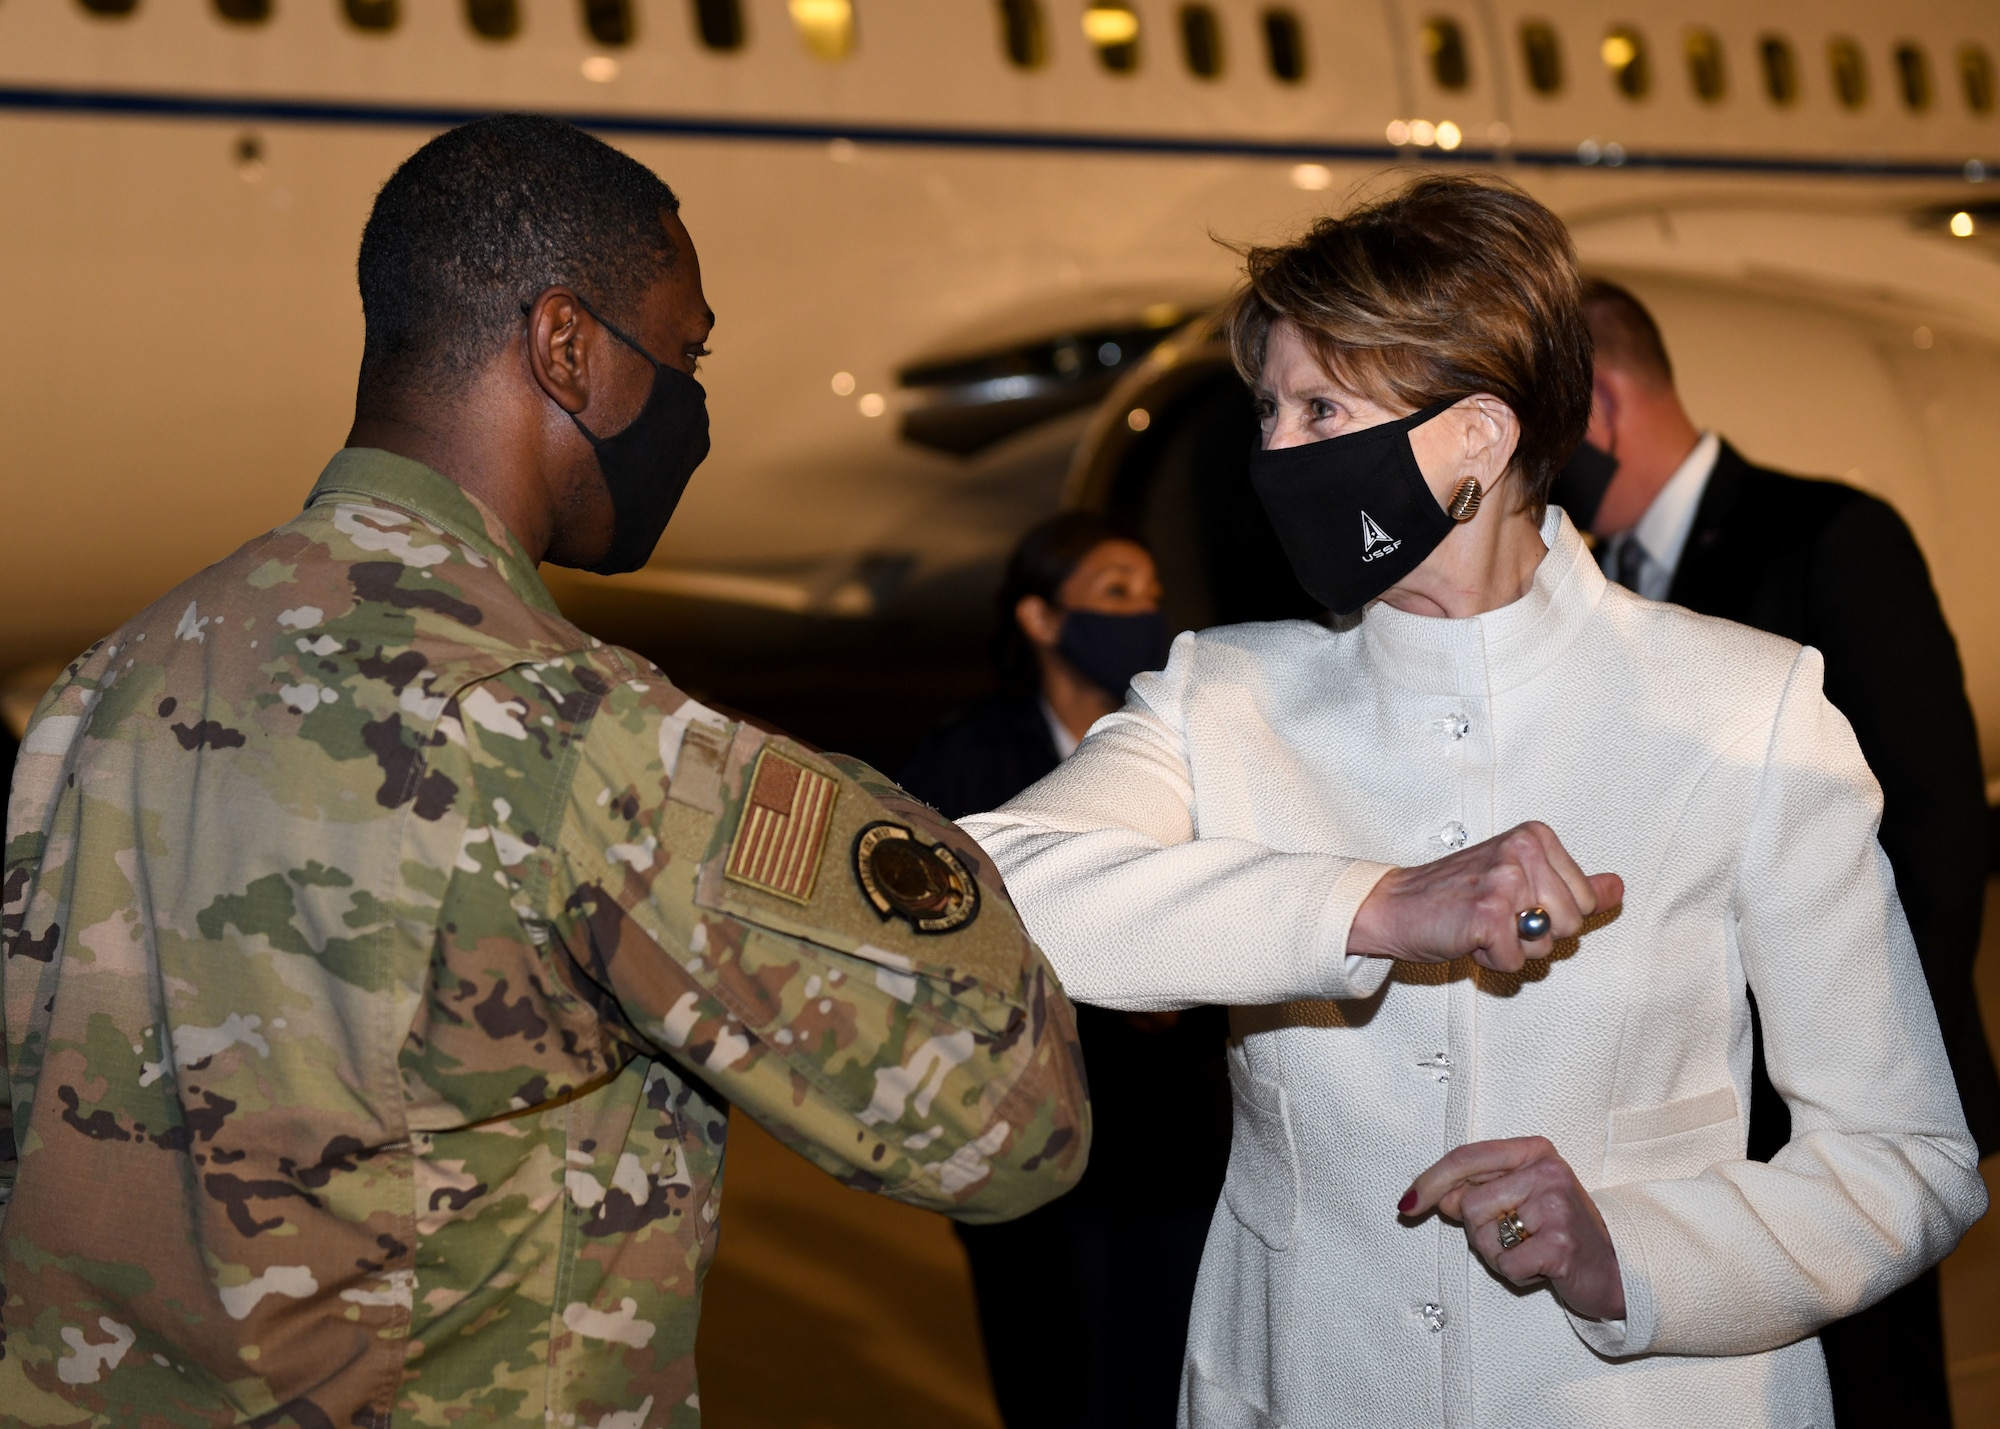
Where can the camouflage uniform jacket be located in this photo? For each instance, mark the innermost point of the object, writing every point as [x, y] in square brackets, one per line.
[382, 957]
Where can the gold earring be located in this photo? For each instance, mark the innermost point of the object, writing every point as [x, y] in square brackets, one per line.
[1465, 501]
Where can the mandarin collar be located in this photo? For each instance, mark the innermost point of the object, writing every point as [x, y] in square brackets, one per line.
[390, 480]
[1503, 648]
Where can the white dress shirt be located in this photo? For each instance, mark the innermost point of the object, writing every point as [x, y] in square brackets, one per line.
[1059, 734]
[1662, 533]
[1212, 841]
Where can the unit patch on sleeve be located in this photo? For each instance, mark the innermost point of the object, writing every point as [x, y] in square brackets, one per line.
[923, 883]
[783, 830]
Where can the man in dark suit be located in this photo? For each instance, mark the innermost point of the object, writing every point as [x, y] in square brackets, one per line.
[1686, 519]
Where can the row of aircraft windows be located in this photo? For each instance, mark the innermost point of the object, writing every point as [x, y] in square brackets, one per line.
[1112, 28]
[1627, 60]
[828, 28]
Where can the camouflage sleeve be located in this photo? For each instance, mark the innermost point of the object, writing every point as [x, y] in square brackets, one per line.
[824, 951]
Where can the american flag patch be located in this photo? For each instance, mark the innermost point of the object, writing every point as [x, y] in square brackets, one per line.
[783, 830]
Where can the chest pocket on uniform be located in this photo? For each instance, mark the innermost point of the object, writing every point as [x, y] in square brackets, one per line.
[1262, 1189]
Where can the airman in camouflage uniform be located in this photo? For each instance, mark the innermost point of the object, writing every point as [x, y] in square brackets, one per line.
[383, 958]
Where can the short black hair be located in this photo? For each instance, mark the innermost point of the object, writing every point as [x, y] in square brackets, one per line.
[1041, 562]
[482, 220]
[1625, 334]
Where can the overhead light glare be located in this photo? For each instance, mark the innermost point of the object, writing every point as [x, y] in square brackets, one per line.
[600, 69]
[1961, 225]
[1312, 177]
[872, 404]
[1398, 132]
[1449, 135]
[1110, 25]
[1423, 133]
[1618, 51]
[1138, 419]
[843, 384]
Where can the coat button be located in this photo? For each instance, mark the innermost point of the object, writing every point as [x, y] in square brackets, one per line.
[1434, 1317]
[1452, 835]
[1440, 1065]
[1457, 726]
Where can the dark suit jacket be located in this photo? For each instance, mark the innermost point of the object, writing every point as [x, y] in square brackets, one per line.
[1835, 568]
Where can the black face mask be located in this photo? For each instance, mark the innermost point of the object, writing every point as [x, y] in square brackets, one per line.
[1353, 512]
[646, 466]
[1108, 650]
[1580, 486]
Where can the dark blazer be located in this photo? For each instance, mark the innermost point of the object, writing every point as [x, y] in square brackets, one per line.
[1835, 568]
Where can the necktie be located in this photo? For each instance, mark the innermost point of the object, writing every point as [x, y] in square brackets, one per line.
[1631, 561]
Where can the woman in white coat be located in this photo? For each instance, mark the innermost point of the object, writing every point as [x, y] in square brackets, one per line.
[1488, 1162]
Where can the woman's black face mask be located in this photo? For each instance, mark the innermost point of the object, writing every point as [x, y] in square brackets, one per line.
[1354, 512]
[647, 465]
[1108, 650]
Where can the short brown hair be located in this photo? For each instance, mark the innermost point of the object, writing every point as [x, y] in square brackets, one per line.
[1451, 286]
[1624, 333]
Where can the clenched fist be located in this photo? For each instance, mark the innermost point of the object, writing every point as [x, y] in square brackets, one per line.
[1470, 902]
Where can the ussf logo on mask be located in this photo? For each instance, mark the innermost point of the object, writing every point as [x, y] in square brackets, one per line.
[1375, 542]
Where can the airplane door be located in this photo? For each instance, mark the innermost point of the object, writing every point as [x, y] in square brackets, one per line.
[1453, 72]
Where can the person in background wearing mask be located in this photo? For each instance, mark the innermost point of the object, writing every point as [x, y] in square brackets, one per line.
[1680, 516]
[1084, 1304]
[386, 960]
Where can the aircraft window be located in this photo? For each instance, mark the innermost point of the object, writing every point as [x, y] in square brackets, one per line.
[491, 19]
[1975, 68]
[109, 7]
[1705, 72]
[719, 23]
[1781, 69]
[1913, 74]
[609, 22]
[1850, 73]
[826, 26]
[371, 14]
[1541, 54]
[1201, 40]
[1624, 53]
[244, 12]
[1113, 27]
[1451, 62]
[1285, 45]
[1021, 32]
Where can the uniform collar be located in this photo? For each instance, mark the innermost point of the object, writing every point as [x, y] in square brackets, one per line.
[1504, 648]
[390, 480]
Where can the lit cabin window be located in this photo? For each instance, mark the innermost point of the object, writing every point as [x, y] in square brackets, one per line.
[244, 12]
[1022, 35]
[1705, 72]
[1781, 70]
[1444, 44]
[1849, 69]
[609, 22]
[1975, 71]
[1624, 54]
[826, 26]
[1913, 77]
[1201, 40]
[1542, 56]
[1285, 45]
[494, 19]
[719, 24]
[111, 8]
[376, 15]
[1112, 26]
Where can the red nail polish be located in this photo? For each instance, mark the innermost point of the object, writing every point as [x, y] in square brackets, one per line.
[1409, 1201]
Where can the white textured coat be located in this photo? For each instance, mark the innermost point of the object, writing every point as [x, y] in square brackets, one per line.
[1211, 843]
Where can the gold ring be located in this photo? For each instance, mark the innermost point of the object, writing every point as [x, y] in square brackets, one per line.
[1512, 1232]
